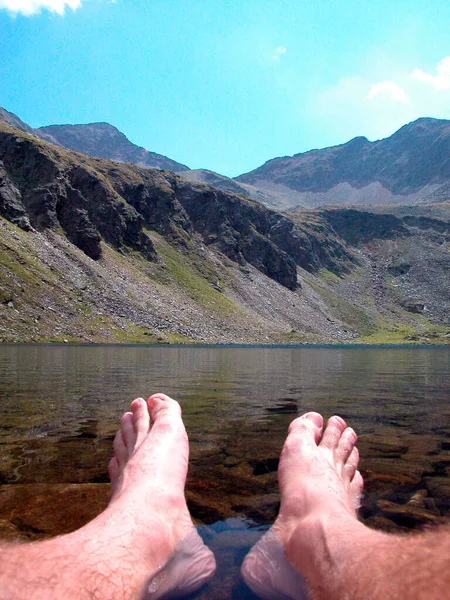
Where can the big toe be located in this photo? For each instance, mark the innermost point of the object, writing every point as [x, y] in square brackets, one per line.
[167, 442]
[308, 426]
[303, 436]
[164, 411]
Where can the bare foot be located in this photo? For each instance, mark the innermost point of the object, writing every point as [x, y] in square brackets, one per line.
[143, 545]
[319, 481]
[160, 550]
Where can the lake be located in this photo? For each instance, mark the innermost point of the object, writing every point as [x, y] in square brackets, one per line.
[60, 408]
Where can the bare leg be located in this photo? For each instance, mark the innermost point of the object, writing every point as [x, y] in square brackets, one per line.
[144, 543]
[321, 538]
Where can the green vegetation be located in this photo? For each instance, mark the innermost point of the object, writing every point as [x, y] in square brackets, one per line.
[390, 332]
[346, 311]
[178, 338]
[328, 277]
[194, 274]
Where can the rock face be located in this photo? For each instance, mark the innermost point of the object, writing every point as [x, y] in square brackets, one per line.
[47, 189]
[95, 201]
[413, 163]
[105, 141]
[11, 205]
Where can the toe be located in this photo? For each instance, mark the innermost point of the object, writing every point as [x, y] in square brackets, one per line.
[163, 410]
[113, 470]
[346, 444]
[356, 488]
[352, 464]
[332, 434]
[308, 425]
[141, 419]
[169, 442]
[120, 450]
[128, 432]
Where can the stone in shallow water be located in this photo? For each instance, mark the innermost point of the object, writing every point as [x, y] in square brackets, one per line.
[385, 524]
[408, 513]
[379, 471]
[439, 487]
[36, 511]
[236, 539]
[262, 508]
[208, 508]
[382, 446]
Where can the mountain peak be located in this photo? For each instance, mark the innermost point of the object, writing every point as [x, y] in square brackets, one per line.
[13, 120]
[101, 140]
[409, 165]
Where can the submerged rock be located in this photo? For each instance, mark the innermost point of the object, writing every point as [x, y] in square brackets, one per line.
[408, 513]
[37, 511]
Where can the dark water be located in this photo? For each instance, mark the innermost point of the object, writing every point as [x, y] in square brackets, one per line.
[60, 407]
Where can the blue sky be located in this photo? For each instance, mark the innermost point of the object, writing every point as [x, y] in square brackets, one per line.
[226, 85]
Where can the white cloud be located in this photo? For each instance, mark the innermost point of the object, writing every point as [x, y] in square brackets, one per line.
[358, 106]
[279, 51]
[31, 7]
[388, 89]
[441, 81]
[345, 110]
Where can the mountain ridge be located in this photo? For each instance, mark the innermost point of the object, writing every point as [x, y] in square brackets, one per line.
[410, 165]
[106, 141]
[95, 139]
[95, 250]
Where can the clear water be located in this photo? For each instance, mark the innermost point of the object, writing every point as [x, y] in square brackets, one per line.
[60, 407]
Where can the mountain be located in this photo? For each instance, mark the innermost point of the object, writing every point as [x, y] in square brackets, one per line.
[11, 119]
[95, 139]
[411, 166]
[105, 141]
[95, 250]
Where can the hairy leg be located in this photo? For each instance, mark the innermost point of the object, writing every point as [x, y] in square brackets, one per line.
[144, 544]
[317, 539]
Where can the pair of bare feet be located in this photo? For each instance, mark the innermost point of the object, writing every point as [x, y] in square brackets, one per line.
[144, 544]
[318, 480]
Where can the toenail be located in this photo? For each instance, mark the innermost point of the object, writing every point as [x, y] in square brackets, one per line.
[313, 417]
[338, 420]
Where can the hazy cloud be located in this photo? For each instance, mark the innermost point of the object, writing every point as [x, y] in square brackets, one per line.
[279, 51]
[441, 81]
[357, 106]
[388, 89]
[31, 7]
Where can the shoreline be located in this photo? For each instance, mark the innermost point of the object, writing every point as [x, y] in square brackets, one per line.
[349, 346]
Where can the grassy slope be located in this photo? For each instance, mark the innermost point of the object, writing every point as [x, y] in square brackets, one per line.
[57, 293]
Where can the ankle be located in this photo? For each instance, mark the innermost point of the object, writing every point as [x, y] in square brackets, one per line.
[326, 547]
[321, 543]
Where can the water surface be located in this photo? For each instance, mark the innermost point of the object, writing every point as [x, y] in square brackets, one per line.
[60, 407]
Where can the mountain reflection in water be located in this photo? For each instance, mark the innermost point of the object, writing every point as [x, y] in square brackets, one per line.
[61, 405]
